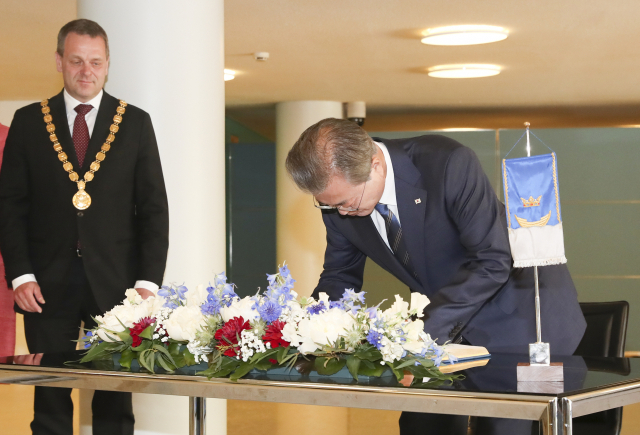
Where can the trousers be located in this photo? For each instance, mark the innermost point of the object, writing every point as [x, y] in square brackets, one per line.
[55, 332]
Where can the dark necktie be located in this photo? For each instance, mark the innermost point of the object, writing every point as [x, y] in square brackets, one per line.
[81, 131]
[394, 236]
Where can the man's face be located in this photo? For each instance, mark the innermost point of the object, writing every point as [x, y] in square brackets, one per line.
[84, 66]
[363, 196]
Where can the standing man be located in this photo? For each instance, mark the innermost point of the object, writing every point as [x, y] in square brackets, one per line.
[83, 216]
[423, 209]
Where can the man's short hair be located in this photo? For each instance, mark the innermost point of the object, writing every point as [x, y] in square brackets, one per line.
[82, 27]
[327, 148]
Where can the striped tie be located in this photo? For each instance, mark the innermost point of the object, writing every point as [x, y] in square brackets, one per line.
[394, 236]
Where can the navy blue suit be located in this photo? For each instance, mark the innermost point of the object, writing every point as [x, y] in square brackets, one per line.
[457, 238]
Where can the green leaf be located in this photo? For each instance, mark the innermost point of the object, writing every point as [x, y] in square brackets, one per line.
[189, 358]
[264, 364]
[148, 332]
[260, 356]
[126, 357]
[367, 368]
[329, 366]
[353, 364]
[399, 373]
[282, 352]
[160, 348]
[124, 336]
[163, 362]
[410, 362]
[243, 369]
[174, 349]
[146, 344]
[227, 365]
[179, 360]
[369, 353]
[146, 359]
[100, 351]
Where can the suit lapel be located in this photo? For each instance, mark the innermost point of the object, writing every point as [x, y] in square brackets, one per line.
[59, 115]
[106, 111]
[412, 205]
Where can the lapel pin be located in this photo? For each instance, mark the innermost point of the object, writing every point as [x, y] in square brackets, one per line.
[418, 201]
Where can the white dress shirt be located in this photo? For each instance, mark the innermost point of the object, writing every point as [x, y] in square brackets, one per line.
[70, 104]
[388, 197]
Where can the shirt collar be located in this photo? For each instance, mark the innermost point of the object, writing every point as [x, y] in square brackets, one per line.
[71, 103]
[389, 194]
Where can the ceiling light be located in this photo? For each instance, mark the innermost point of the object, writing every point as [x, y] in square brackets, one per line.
[229, 75]
[464, 35]
[463, 71]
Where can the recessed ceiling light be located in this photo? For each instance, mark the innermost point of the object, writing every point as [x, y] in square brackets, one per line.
[463, 71]
[464, 35]
[229, 75]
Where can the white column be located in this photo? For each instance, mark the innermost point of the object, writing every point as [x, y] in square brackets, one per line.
[167, 58]
[301, 241]
[300, 233]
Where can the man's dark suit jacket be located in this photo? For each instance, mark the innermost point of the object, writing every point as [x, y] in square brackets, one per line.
[456, 235]
[124, 233]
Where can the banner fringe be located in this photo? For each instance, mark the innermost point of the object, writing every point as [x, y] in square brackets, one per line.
[539, 262]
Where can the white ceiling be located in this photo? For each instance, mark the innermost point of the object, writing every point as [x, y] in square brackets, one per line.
[571, 58]
[568, 52]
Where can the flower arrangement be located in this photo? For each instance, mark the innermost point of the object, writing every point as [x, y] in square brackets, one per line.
[181, 327]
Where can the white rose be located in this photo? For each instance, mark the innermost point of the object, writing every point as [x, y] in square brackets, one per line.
[290, 334]
[133, 296]
[412, 334]
[240, 308]
[184, 323]
[399, 309]
[197, 296]
[326, 327]
[306, 344]
[108, 325]
[418, 303]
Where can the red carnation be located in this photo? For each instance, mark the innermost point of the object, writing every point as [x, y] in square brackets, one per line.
[229, 334]
[273, 335]
[137, 329]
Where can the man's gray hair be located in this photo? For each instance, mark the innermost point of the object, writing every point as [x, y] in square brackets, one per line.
[327, 148]
[82, 27]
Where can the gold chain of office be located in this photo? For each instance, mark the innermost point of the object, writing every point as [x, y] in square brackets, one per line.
[82, 200]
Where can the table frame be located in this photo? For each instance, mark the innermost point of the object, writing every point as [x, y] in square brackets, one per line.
[554, 412]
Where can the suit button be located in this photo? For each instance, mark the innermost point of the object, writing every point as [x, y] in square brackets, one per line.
[80, 214]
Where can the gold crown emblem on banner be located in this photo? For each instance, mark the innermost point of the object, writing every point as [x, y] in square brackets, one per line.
[531, 202]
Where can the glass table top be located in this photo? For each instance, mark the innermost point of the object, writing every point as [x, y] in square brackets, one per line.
[581, 374]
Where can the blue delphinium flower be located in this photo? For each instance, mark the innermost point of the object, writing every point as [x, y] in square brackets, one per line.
[169, 295]
[372, 312]
[337, 304]
[317, 308]
[375, 338]
[87, 345]
[270, 311]
[221, 295]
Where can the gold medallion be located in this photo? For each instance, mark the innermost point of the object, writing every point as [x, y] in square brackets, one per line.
[81, 200]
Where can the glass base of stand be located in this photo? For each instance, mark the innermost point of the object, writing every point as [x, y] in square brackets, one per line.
[539, 353]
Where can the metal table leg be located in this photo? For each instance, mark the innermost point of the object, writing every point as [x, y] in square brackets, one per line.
[567, 417]
[549, 420]
[197, 415]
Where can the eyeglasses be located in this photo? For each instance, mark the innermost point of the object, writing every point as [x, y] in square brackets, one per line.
[322, 206]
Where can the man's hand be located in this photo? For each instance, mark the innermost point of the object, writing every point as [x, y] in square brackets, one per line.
[28, 360]
[144, 293]
[28, 295]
